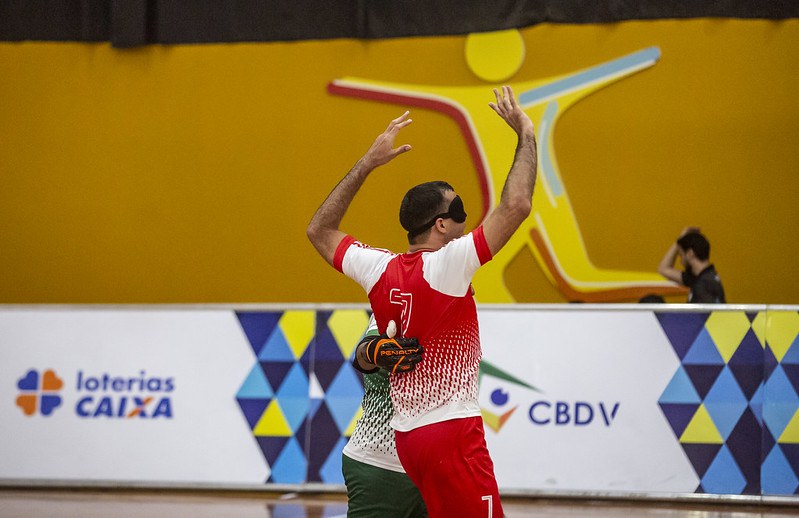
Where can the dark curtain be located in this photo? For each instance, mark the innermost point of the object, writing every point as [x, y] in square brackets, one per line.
[128, 23]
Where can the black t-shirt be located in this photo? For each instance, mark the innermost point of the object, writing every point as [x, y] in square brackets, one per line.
[706, 287]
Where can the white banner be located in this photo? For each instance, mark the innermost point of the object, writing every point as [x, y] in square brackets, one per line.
[582, 412]
[606, 400]
[125, 395]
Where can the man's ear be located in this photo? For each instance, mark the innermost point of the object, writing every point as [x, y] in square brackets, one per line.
[440, 226]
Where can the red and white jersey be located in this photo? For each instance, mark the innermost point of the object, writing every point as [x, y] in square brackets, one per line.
[429, 294]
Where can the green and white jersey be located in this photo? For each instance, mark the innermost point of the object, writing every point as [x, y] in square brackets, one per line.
[372, 442]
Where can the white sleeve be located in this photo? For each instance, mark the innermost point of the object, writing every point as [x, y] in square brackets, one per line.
[372, 327]
[365, 265]
[450, 269]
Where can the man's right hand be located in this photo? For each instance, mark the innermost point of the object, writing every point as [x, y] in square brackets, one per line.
[382, 149]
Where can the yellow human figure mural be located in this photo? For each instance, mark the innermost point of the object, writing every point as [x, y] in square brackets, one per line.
[551, 232]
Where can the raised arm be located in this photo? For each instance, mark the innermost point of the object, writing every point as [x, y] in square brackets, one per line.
[323, 230]
[516, 200]
[666, 267]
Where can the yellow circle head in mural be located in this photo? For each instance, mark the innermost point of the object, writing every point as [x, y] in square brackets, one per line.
[495, 56]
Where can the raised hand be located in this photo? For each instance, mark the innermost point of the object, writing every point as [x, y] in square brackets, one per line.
[382, 149]
[508, 108]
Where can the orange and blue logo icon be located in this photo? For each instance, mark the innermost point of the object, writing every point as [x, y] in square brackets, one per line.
[499, 398]
[39, 392]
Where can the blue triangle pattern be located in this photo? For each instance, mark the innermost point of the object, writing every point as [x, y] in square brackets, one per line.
[726, 390]
[723, 476]
[681, 329]
[749, 377]
[325, 437]
[791, 453]
[321, 320]
[769, 363]
[276, 349]
[792, 355]
[744, 443]
[345, 384]
[778, 477]
[680, 389]
[756, 404]
[295, 410]
[792, 373]
[271, 447]
[749, 351]
[256, 385]
[291, 465]
[679, 415]
[703, 351]
[725, 403]
[276, 372]
[703, 377]
[343, 398]
[777, 416]
[326, 372]
[327, 348]
[295, 384]
[257, 326]
[701, 456]
[294, 397]
[781, 402]
[330, 472]
[252, 409]
[768, 442]
[315, 404]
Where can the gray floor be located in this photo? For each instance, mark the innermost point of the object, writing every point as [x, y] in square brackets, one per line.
[89, 503]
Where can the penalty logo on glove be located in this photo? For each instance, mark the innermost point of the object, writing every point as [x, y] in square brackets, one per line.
[389, 351]
[394, 354]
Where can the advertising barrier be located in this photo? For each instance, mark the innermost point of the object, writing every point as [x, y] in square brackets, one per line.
[644, 400]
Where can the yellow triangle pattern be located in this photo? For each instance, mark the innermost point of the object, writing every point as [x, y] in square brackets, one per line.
[272, 422]
[351, 428]
[759, 327]
[791, 432]
[299, 328]
[491, 420]
[727, 329]
[701, 429]
[781, 330]
[348, 326]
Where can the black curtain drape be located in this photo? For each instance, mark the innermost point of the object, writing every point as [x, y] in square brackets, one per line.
[129, 23]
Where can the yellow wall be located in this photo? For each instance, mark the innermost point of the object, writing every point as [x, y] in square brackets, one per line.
[188, 173]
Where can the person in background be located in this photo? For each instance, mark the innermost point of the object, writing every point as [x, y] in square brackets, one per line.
[377, 484]
[699, 276]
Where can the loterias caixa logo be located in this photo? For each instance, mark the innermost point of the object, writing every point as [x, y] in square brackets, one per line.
[506, 393]
[97, 395]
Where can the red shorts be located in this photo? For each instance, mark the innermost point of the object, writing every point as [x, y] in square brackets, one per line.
[450, 465]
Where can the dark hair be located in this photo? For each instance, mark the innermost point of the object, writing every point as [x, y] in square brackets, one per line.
[422, 203]
[696, 242]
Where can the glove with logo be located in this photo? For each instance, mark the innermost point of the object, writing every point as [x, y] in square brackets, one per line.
[391, 354]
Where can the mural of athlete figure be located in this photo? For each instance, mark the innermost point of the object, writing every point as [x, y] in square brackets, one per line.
[551, 232]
